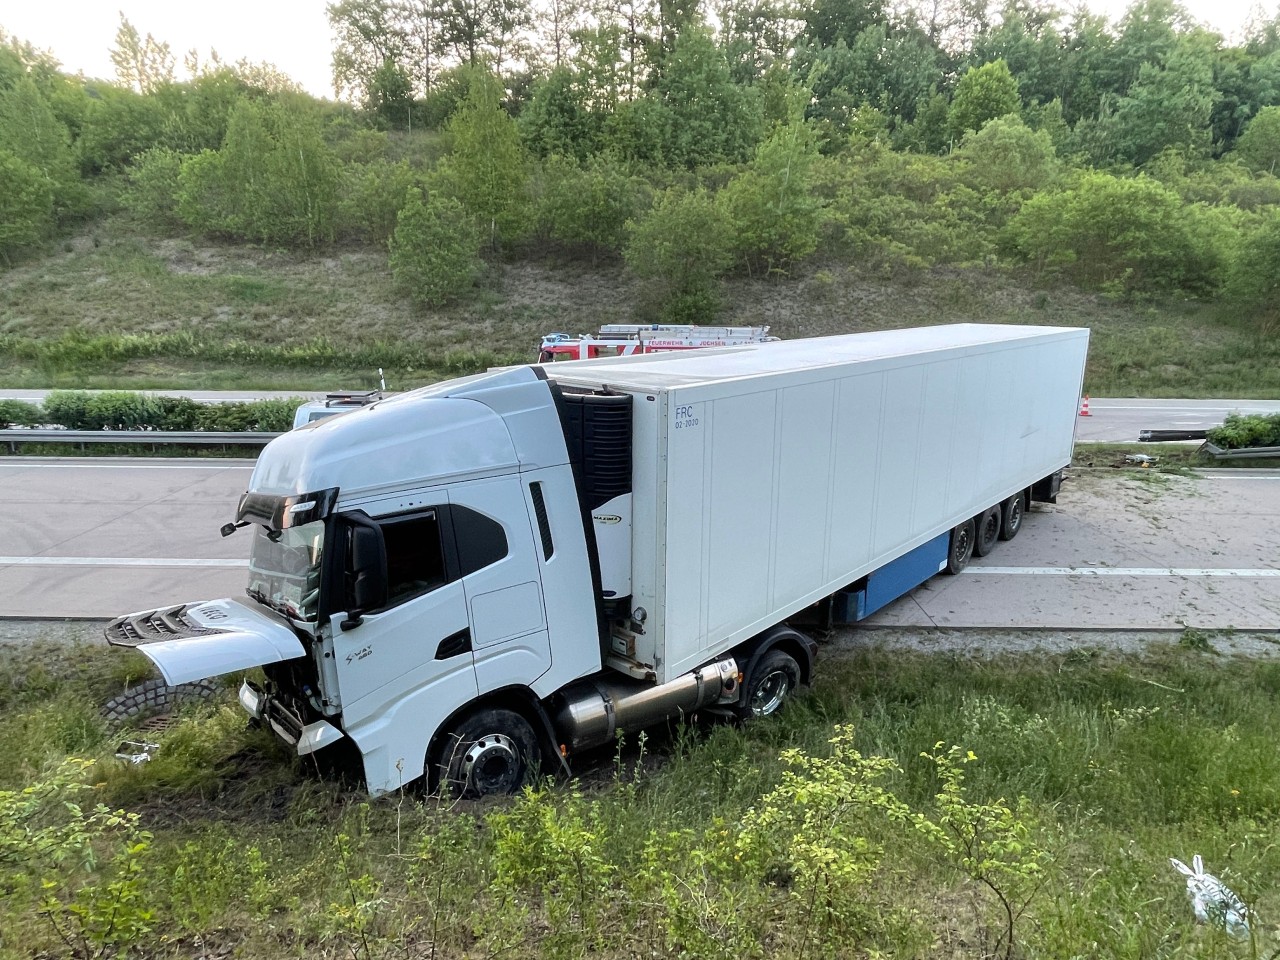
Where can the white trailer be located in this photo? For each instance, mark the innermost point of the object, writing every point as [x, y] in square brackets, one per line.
[509, 568]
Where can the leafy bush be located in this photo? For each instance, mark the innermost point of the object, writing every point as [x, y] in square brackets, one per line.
[374, 194]
[1123, 234]
[1247, 430]
[26, 205]
[774, 212]
[435, 251]
[587, 207]
[154, 186]
[125, 410]
[683, 244]
[18, 413]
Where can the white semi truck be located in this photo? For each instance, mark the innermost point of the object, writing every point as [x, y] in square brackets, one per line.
[502, 570]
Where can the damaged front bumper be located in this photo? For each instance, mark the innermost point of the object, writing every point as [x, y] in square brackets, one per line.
[288, 726]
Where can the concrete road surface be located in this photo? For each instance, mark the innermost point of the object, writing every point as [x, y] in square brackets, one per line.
[1124, 550]
[98, 538]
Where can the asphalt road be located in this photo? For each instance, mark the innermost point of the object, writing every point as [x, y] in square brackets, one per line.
[98, 538]
[1120, 420]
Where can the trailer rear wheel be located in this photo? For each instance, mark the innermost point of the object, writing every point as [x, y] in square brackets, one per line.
[491, 752]
[770, 685]
[1011, 514]
[988, 532]
[961, 550]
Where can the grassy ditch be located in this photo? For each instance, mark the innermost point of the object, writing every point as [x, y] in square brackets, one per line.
[909, 806]
[1165, 457]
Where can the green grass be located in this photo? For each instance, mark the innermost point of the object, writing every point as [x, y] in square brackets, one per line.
[1099, 766]
[133, 310]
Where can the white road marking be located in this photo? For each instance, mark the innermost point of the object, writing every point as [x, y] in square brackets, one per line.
[90, 465]
[117, 562]
[1129, 571]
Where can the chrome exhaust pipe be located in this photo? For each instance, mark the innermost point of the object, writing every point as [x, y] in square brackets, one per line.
[593, 711]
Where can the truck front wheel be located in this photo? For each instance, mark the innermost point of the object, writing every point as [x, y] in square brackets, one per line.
[491, 752]
[770, 685]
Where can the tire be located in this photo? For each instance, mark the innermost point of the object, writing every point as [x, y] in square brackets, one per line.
[1012, 512]
[153, 702]
[988, 532]
[961, 549]
[492, 752]
[773, 680]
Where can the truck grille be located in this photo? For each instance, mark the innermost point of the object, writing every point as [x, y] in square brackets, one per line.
[163, 624]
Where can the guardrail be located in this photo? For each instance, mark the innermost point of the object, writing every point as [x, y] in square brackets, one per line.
[191, 438]
[1243, 453]
[1157, 435]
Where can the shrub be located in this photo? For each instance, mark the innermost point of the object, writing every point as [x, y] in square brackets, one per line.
[435, 251]
[17, 413]
[683, 245]
[587, 208]
[1247, 430]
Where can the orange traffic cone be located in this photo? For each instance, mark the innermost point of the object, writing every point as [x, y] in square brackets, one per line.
[1084, 407]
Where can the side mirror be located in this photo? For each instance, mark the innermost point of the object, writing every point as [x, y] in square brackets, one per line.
[368, 573]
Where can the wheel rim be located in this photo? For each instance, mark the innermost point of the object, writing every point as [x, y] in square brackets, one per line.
[962, 542]
[1015, 514]
[770, 693]
[491, 765]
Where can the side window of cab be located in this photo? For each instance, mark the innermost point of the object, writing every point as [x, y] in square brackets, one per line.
[426, 549]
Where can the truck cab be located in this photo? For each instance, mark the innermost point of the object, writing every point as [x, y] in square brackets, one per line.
[406, 561]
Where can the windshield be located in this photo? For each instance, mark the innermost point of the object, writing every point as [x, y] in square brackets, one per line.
[284, 569]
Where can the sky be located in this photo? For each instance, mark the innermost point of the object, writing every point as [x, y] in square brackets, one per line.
[294, 34]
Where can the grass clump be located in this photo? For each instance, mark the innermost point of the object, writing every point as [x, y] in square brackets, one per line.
[1023, 806]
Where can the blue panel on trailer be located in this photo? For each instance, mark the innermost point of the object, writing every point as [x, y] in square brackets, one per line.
[906, 573]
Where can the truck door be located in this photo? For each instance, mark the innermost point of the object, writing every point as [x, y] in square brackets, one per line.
[420, 637]
[502, 582]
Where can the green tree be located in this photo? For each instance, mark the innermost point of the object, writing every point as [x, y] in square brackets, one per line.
[26, 205]
[709, 118]
[118, 125]
[373, 195]
[1259, 145]
[1006, 157]
[154, 186]
[774, 213]
[1168, 106]
[587, 207]
[435, 250]
[142, 64]
[983, 93]
[390, 96]
[486, 168]
[1253, 284]
[275, 180]
[557, 120]
[30, 131]
[1124, 234]
[682, 244]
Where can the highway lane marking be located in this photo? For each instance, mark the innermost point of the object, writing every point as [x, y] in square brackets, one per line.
[127, 466]
[117, 562]
[1130, 571]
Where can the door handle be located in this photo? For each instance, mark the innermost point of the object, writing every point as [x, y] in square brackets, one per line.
[454, 645]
